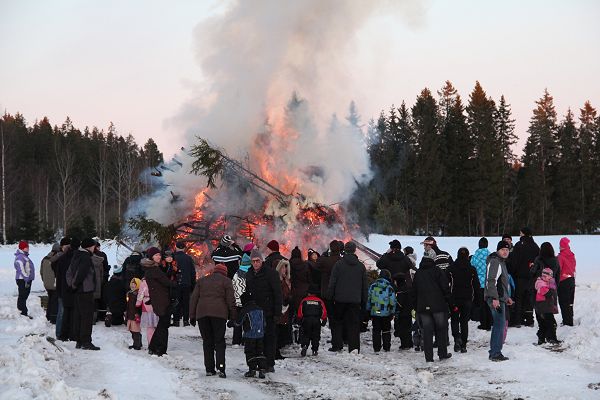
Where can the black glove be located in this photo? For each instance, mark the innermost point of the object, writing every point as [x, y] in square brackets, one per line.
[230, 324]
[324, 322]
[192, 322]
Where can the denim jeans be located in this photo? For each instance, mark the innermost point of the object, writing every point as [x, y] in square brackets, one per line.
[59, 317]
[499, 321]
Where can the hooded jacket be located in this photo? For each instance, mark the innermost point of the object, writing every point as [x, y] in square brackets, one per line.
[24, 268]
[348, 282]
[159, 287]
[213, 297]
[464, 280]
[84, 272]
[566, 260]
[522, 257]
[431, 292]
[381, 300]
[496, 283]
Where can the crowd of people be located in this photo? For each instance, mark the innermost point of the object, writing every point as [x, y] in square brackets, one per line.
[271, 301]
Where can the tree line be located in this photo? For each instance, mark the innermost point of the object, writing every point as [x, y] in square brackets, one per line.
[446, 168]
[60, 179]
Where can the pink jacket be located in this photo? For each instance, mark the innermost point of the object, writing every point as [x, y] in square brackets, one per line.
[143, 297]
[566, 259]
[542, 287]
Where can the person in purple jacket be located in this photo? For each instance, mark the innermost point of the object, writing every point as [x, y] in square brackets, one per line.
[24, 275]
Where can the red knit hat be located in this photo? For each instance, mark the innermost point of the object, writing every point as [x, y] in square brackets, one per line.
[23, 245]
[221, 269]
[273, 245]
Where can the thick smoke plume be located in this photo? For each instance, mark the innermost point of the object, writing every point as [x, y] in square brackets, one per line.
[276, 74]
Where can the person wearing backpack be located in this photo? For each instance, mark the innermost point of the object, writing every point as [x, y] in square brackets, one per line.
[381, 304]
[49, 280]
[81, 276]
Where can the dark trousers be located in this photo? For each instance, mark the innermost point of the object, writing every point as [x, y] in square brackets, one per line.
[434, 322]
[523, 313]
[346, 317]
[311, 333]
[83, 317]
[237, 332]
[137, 340]
[485, 315]
[402, 329]
[270, 341]
[566, 298]
[254, 350]
[160, 339]
[212, 330]
[52, 309]
[284, 335]
[459, 321]
[546, 326]
[68, 323]
[382, 331]
[183, 305]
[24, 290]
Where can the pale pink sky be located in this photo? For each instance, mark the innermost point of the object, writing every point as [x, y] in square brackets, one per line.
[133, 62]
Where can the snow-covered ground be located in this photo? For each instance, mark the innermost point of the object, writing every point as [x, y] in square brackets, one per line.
[32, 367]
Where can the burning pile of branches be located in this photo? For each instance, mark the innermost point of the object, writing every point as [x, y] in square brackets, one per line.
[291, 218]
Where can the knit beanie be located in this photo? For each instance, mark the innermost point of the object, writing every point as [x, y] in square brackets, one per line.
[221, 269]
[88, 242]
[226, 240]
[296, 253]
[502, 245]
[273, 245]
[248, 248]
[152, 251]
[23, 245]
[65, 241]
[255, 253]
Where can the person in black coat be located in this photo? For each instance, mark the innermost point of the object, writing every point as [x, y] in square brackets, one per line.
[84, 282]
[132, 267]
[431, 296]
[186, 280]
[464, 284]
[396, 262]
[347, 290]
[273, 257]
[262, 282]
[66, 295]
[114, 296]
[228, 253]
[521, 260]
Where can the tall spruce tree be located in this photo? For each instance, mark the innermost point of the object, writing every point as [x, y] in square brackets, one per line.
[590, 166]
[488, 166]
[566, 178]
[458, 143]
[432, 190]
[505, 132]
[535, 183]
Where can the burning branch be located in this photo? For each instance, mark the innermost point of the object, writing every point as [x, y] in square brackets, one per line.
[213, 163]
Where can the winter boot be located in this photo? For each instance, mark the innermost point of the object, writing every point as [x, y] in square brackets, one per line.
[222, 374]
[315, 352]
[457, 344]
[463, 349]
[303, 352]
[250, 374]
[261, 374]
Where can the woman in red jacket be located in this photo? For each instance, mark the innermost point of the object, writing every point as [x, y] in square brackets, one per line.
[566, 286]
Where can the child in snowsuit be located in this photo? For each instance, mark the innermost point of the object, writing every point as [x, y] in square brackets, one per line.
[149, 320]
[381, 304]
[133, 314]
[546, 306]
[251, 319]
[312, 315]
